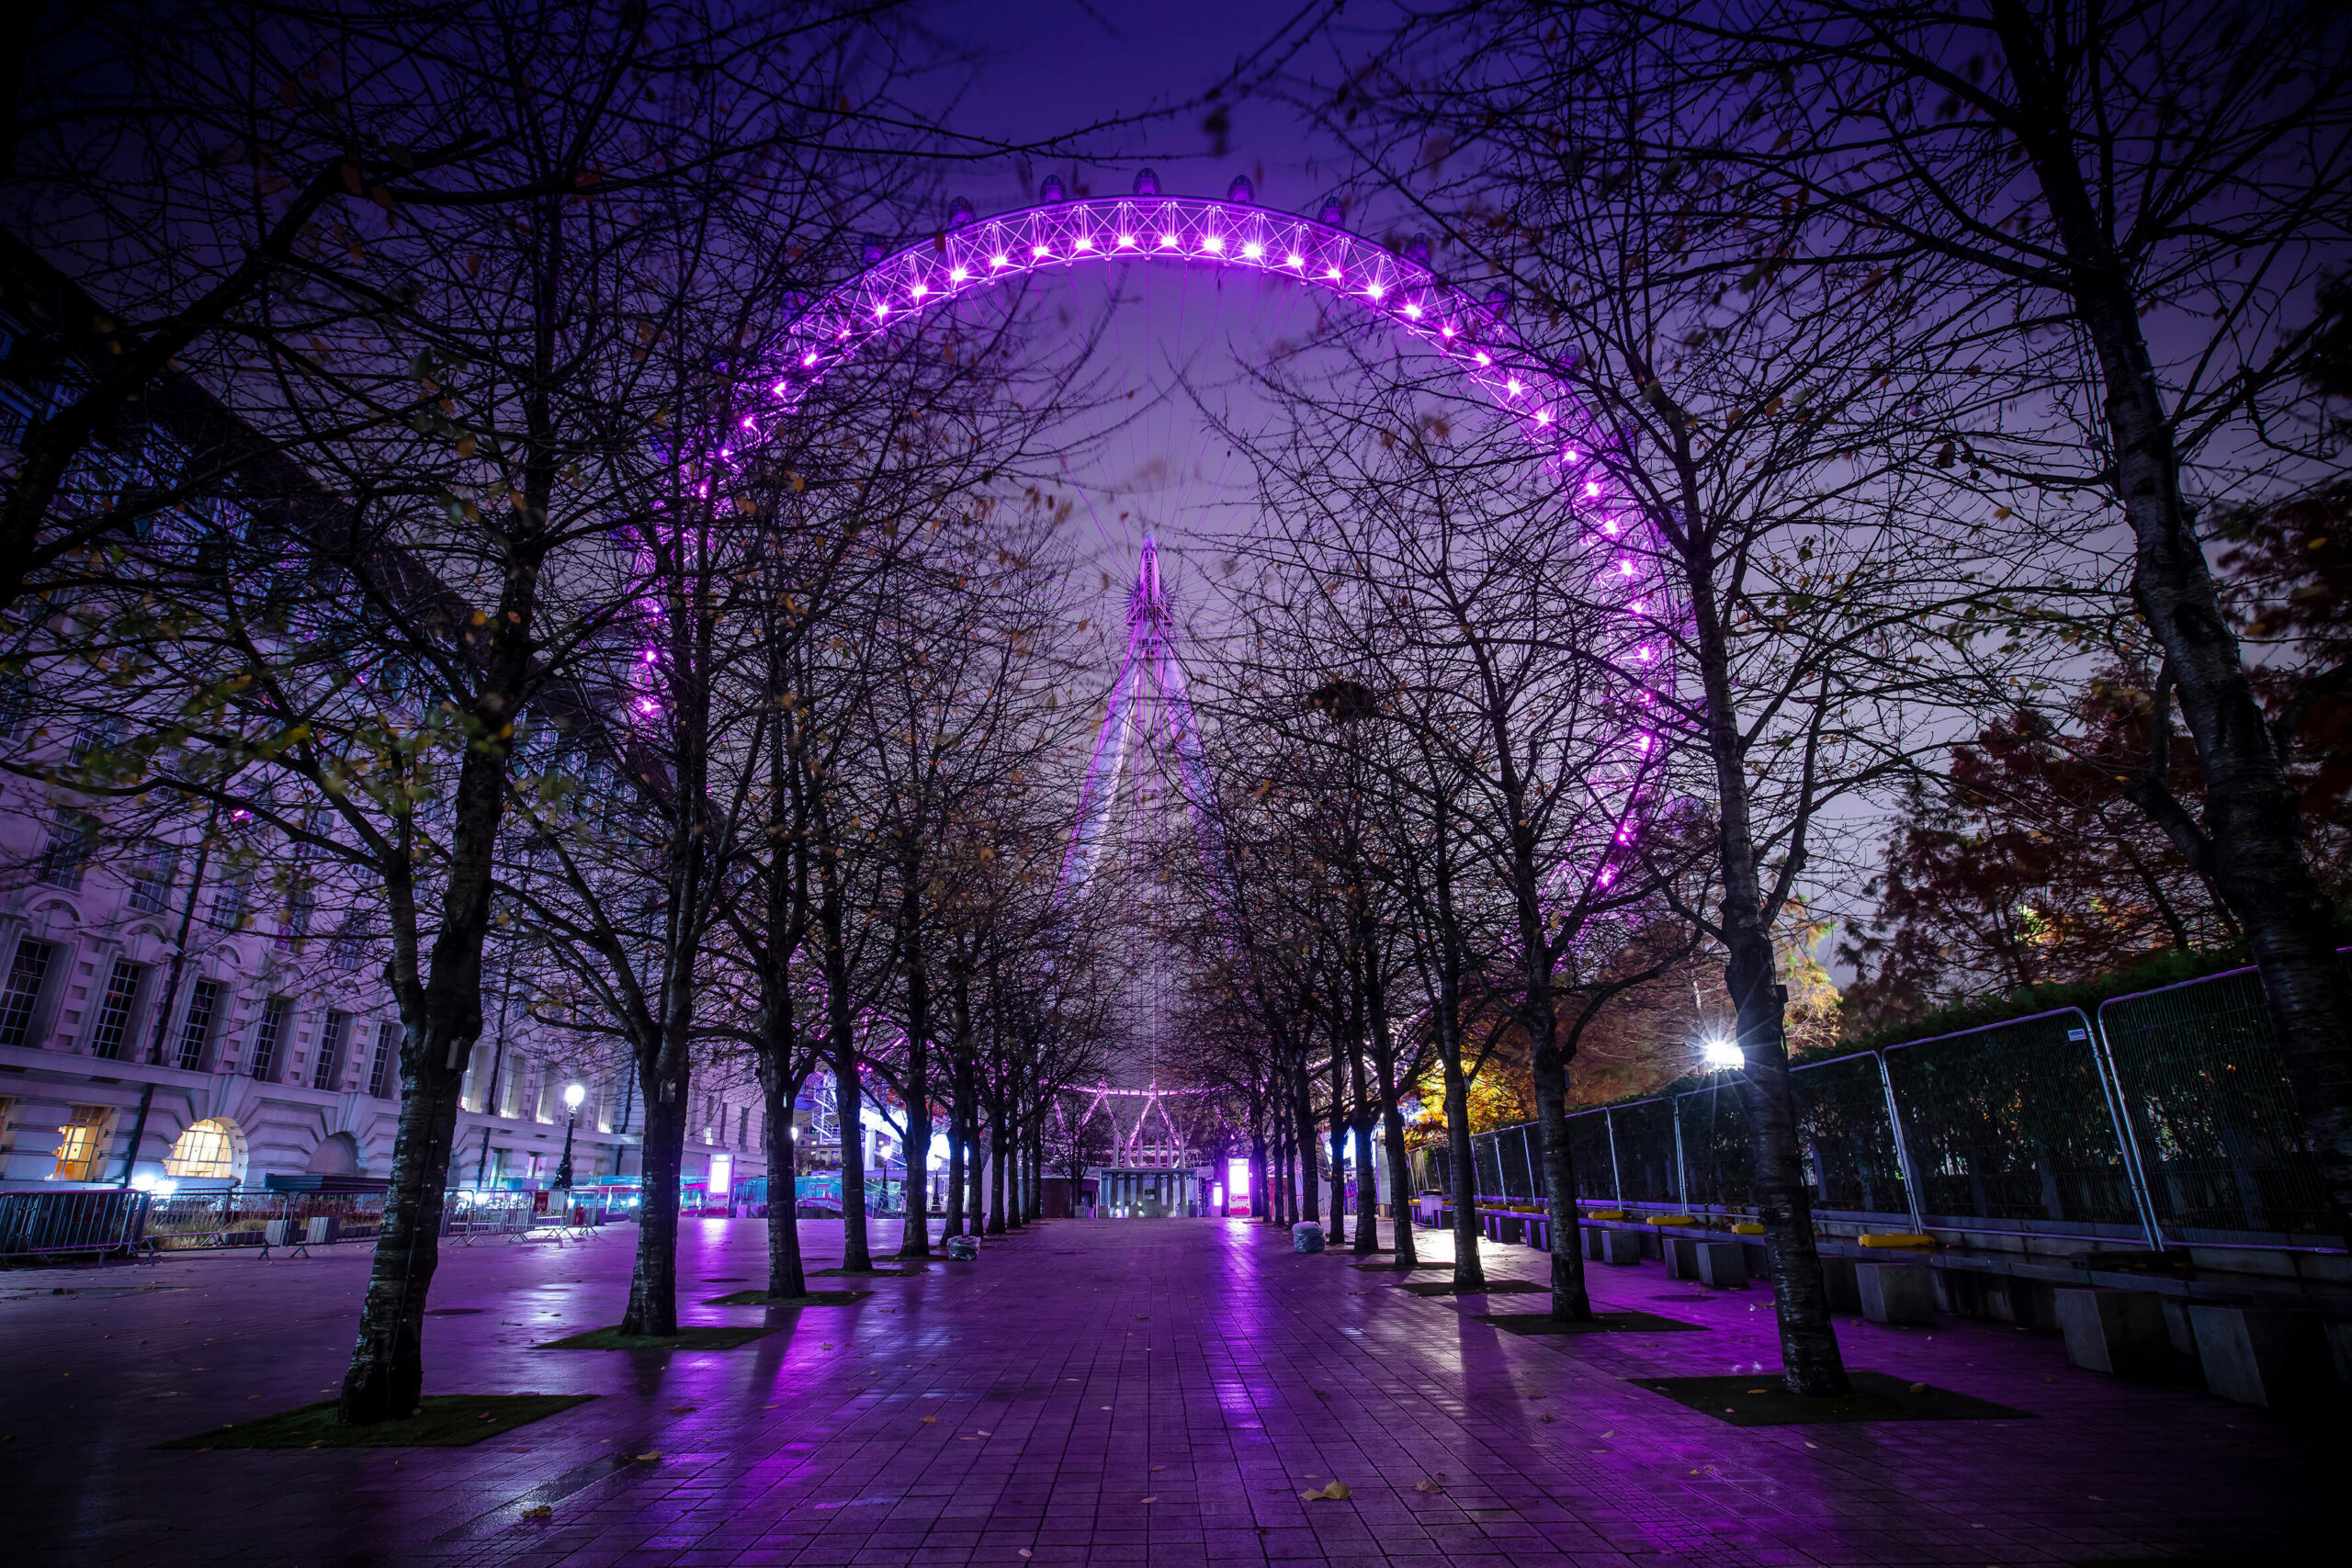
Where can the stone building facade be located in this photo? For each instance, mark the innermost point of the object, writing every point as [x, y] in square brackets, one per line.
[161, 1017]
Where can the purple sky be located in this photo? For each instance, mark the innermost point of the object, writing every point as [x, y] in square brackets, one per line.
[1050, 66]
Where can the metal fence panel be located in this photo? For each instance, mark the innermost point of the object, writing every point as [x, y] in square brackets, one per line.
[1718, 1165]
[2218, 1137]
[1490, 1169]
[2011, 1121]
[1847, 1142]
[1645, 1132]
[1511, 1152]
[1589, 1155]
[80, 1220]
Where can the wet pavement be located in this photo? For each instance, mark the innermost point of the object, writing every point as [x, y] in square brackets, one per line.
[1154, 1391]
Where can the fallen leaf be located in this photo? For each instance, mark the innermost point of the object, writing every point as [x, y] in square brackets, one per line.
[1151, 1499]
[1337, 1492]
[657, 1454]
[542, 1512]
[930, 1420]
[1759, 1391]
[978, 1430]
[1919, 1388]
[1425, 1484]
[1547, 1419]
[1157, 1468]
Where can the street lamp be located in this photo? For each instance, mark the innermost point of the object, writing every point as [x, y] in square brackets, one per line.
[1721, 1054]
[572, 1095]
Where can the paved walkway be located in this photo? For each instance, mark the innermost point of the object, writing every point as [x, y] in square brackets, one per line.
[1157, 1392]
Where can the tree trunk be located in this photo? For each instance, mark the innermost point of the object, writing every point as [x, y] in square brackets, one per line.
[1367, 1185]
[386, 1378]
[1306, 1205]
[788, 1275]
[1810, 1359]
[1391, 1128]
[976, 1180]
[1469, 1270]
[849, 1104]
[653, 1285]
[954, 1225]
[915, 1242]
[996, 1170]
[1339, 1232]
[2251, 835]
[1570, 1301]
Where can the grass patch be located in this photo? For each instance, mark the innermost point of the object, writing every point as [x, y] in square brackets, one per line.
[864, 1273]
[447, 1421]
[1491, 1288]
[806, 1299]
[1757, 1399]
[1397, 1267]
[1602, 1323]
[693, 1336]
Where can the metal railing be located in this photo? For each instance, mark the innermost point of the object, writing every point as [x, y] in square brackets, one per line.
[2166, 1117]
[80, 1222]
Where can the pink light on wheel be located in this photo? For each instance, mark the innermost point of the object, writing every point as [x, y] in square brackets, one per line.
[1321, 253]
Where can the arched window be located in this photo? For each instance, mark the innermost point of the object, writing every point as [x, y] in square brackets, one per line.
[209, 1148]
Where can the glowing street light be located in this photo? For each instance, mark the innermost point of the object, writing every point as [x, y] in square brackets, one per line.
[1720, 1052]
[572, 1095]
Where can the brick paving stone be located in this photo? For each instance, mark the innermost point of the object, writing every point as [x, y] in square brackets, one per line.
[1073, 1372]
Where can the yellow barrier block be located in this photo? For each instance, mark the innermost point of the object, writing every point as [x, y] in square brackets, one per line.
[1896, 1238]
[1747, 1230]
[1606, 1215]
[1673, 1219]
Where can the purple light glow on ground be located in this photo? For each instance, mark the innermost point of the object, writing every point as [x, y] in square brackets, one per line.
[1102, 1391]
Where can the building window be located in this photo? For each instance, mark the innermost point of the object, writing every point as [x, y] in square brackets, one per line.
[196, 1029]
[101, 736]
[379, 1077]
[205, 1149]
[77, 1148]
[327, 1072]
[68, 851]
[743, 1127]
[268, 1035]
[150, 884]
[16, 705]
[229, 901]
[23, 994]
[350, 945]
[114, 1012]
[301, 904]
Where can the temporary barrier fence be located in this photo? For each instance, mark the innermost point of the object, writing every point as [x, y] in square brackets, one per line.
[2164, 1117]
[77, 1221]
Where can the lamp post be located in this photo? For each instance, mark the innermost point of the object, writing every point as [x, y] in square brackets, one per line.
[572, 1095]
